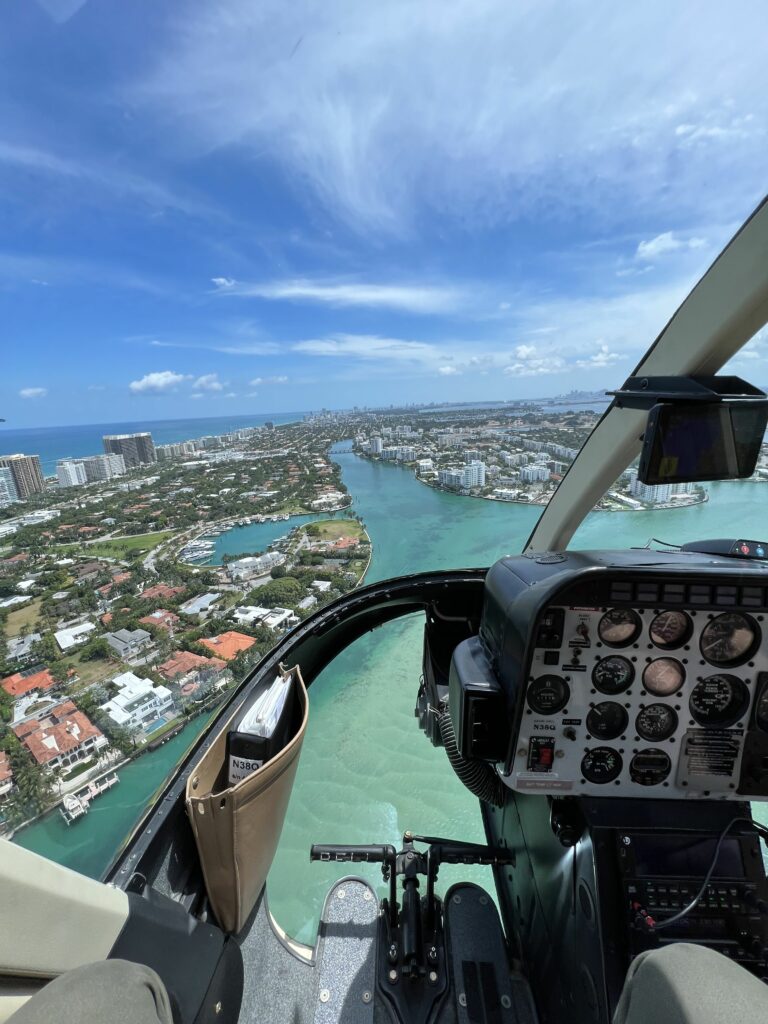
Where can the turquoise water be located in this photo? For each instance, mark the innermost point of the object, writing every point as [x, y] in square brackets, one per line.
[88, 845]
[366, 772]
[257, 537]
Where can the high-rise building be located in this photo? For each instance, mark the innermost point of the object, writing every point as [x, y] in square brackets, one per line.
[473, 475]
[8, 492]
[70, 473]
[136, 449]
[26, 472]
[376, 445]
[103, 467]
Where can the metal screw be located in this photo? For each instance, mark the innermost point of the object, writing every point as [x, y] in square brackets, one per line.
[325, 995]
[457, 899]
[392, 976]
[433, 977]
[506, 1002]
[462, 999]
[484, 900]
[368, 895]
[367, 997]
[341, 894]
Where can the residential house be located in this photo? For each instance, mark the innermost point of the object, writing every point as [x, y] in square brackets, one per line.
[6, 776]
[200, 606]
[20, 647]
[61, 737]
[228, 645]
[280, 618]
[21, 683]
[138, 702]
[192, 673]
[73, 636]
[161, 592]
[163, 619]
[128, 643]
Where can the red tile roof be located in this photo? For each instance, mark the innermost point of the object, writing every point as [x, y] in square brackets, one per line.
[17, 684]
[162, 618]
[62, 730]
[161, 590]
[183, 662]
[229, 645]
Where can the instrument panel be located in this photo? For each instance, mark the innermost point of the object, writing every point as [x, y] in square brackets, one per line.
[640, 701]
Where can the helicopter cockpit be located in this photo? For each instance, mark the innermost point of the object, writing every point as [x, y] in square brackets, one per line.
[609, 710]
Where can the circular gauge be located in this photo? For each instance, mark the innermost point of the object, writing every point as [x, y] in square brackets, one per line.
[548, 694]
[656, 722]
[670, 630]
[729, 639]
[601, 765]
[607, 720]
[613, 675]
[649, 767]
[719, 700]
[663, 677]
[619, 627]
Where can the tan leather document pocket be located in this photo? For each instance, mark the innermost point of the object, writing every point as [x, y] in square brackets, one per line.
[237, 828]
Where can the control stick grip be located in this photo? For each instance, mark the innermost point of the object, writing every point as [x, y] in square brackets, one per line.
[355, 854]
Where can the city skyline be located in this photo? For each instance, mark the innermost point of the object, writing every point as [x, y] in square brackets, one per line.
[273, 208]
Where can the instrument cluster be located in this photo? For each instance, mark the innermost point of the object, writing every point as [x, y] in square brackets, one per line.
[646, 701]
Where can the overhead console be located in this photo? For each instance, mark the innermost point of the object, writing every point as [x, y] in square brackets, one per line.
[622, 674]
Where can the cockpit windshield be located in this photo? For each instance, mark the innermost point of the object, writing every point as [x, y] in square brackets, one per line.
[298, 298]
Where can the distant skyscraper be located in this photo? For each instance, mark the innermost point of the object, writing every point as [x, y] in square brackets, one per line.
[70, 473]
[8, 493]
[103, 467]
[26, 472]
[136, 449]
[376, 446]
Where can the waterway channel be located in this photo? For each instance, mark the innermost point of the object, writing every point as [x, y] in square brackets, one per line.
[366, 772]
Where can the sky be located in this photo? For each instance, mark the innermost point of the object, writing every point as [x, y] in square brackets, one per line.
[252, 206]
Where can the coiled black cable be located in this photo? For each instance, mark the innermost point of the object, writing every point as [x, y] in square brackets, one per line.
[479, 777]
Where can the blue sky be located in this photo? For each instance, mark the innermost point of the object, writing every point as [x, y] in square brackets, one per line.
[247, 207]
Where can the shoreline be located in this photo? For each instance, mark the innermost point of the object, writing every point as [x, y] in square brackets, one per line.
[531, 504]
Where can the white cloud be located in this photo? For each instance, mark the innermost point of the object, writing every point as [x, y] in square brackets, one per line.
[33, 392]
[409, 298]
[197, 395]
[525, 351]
[666, 243]
[223, 282]
[258, 381]
[230, 394]
[368, 346]
[448, 371]
[227, 347]
[381, 111]
[603, 357]
[163, 380]
[208, 382]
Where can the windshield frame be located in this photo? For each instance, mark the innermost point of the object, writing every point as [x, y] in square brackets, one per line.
[722, 313]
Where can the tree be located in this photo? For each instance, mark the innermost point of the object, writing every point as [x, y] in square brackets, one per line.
[277, 572]
[33, 785]
[98, 648]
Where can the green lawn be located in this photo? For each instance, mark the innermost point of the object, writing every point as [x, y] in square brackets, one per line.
[333, 529]
[90, 672]
[120, 546]
[26, 615]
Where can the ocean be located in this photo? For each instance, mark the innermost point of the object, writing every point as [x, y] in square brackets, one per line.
[53, 443]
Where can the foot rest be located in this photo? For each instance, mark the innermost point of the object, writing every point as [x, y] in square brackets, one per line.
[485, 990]
[346, 954]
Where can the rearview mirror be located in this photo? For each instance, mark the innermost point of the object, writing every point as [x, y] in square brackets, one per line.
[689, 441]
